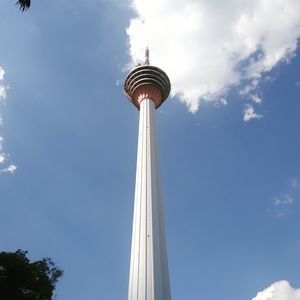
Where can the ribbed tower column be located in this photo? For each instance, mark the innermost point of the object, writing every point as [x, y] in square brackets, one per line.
[149, 276]
[147, 87]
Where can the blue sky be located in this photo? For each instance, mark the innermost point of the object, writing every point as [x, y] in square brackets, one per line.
[231, 186]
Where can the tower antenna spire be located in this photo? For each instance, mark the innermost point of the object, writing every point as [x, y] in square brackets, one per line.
[147, 56]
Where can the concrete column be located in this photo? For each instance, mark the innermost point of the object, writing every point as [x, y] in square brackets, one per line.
[149, 275]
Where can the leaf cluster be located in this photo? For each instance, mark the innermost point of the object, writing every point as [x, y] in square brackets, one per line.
[23, 4]
[21, 279]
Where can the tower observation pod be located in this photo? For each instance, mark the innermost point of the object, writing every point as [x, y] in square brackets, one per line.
[147, 87]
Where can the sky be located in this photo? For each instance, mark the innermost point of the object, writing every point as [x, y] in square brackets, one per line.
[228, 139]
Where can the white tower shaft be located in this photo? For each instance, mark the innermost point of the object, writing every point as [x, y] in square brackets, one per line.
[149, 275]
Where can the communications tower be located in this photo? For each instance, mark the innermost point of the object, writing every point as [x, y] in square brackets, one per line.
[147, 87]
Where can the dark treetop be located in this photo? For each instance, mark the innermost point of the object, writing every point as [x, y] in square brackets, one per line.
[23, 4]
[21, 279]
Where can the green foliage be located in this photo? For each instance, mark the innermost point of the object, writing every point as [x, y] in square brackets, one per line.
[21, 279]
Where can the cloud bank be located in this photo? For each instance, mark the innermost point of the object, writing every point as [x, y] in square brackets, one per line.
[207, 47]
[280, 290]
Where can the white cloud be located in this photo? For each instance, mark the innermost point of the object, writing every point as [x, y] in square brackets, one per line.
[280, 290]
[250, 91]
[10, 169]
[222, 101]
[284, 200]
[295, 183]
[297, 83]
[2, 72]
[3, 87]
[283, 204]
[250, 114]
[248, 88]
[2, 155]
[2, 158]
[206, 47]
[255, 98]
[2, 92]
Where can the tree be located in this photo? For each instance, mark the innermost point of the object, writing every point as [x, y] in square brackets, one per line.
[23, 4]
[21, 279]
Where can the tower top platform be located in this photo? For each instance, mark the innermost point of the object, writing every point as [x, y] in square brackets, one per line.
[147, 81]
